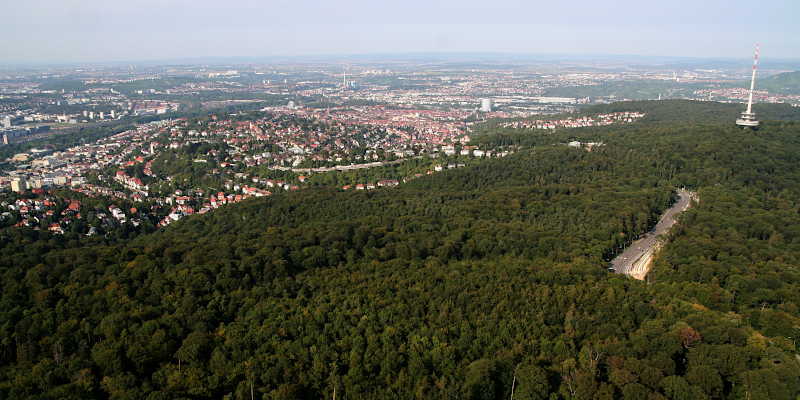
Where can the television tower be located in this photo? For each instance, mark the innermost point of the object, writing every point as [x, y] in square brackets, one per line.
[748, 118]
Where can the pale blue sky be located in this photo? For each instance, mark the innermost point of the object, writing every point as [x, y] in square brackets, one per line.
[113, 30]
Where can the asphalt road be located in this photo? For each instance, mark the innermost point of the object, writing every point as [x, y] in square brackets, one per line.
[343, 167]
[645, 245]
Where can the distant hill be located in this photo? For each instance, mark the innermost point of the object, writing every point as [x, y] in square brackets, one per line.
[786, 83]
[697, 111]
[630, 89]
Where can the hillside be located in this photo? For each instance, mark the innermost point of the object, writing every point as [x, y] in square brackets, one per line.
[657, 112]
[787, 83]
[633, 89]
[701, 112]
[445, 287]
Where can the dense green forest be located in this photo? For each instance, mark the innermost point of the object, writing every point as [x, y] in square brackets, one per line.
[656, 111]
[697, 112]
[451, 286]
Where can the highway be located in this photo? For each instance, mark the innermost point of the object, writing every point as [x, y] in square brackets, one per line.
[636, 259]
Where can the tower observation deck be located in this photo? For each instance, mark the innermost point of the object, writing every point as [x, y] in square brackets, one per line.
[748, 118]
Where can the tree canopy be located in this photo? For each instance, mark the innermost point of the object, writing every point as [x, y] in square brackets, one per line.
[453, 285]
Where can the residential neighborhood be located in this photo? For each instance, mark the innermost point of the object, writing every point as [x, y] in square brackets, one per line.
[174, 168]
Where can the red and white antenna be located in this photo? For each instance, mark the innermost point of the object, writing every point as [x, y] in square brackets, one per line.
[753, 82]
[747, 118]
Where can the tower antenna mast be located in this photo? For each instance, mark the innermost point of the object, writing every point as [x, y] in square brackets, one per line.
[748, 118]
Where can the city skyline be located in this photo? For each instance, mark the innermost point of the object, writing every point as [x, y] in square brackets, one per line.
[93, 31]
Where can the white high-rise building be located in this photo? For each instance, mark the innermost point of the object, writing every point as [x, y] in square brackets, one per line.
[19, 185]
[486, 105]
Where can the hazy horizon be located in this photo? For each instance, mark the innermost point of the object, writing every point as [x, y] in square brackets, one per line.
[444, 57]
[70, 31]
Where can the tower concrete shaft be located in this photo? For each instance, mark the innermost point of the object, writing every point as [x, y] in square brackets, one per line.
[752, 82]
[748, 118]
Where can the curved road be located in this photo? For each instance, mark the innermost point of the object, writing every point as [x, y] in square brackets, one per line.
[635, 260]
[342, 167]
